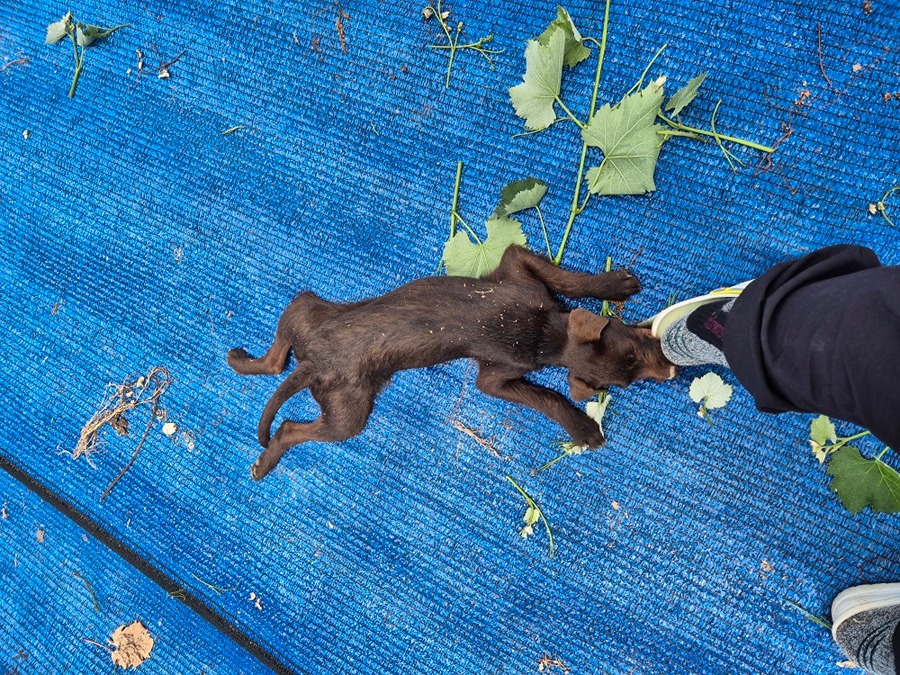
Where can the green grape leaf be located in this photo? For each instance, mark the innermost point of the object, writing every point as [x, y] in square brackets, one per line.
[533, 99]
[57, 30]
[861, 482]
[681, 98]
[574, 51]
[711, 391]
[462, 258]
[520, 195]
[627, 136]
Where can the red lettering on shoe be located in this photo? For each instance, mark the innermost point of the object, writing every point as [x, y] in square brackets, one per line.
[715, 327]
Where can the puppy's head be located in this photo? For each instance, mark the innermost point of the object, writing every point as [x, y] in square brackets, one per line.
[602, 352]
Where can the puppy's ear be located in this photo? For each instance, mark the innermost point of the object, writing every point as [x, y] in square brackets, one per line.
[579, 390]
[585, 326]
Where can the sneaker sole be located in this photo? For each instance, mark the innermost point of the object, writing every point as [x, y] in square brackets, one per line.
[659, 322]
[852, 601]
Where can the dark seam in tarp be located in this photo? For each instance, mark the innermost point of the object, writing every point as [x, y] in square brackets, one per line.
[145, 567]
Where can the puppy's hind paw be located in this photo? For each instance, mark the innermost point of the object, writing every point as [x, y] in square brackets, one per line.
[237, 356]
[263, 465]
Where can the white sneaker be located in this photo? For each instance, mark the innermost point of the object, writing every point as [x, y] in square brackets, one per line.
[659, 322]
[864, 620]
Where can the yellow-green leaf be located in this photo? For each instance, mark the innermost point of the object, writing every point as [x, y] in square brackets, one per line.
[57, 30]
[822, 431]
[627, 136]
[685, 95]
[574, 51]
[711, 391]
[533, 99]
[463, 258]
[520, 195]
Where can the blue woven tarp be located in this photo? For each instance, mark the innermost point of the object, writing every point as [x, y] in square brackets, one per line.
[136, 234]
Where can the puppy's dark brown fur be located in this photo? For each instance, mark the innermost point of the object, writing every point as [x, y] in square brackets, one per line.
[508, 322]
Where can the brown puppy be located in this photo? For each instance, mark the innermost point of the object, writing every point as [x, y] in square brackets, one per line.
[508, 322]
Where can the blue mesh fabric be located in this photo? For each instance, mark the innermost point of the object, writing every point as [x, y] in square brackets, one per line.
[136, 234]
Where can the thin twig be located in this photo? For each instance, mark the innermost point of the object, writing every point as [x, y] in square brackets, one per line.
[339, 26]
[454, 213]
[544, 230]
[822, 63]
[809, 615]
[137, 451]
[17, 62]
[712, 127]
[217, 589]
[640, 82]
[483, 442]
[574, 210]
[634, 258]
[683, 127]
[108, 649]
[162, 71]
[165, 64]
[568, 449]
[604, 308]
[112, 413]
[533, 504]
[453, 45]
[90, 590]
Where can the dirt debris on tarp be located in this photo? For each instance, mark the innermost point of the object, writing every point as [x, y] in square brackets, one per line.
[125, 397]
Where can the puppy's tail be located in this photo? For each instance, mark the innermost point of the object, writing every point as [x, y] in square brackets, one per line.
[293, 383]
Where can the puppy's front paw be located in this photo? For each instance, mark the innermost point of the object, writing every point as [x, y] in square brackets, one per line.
[585, 432]
[621, 285]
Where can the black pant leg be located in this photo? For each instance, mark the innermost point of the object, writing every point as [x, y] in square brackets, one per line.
[821, 334]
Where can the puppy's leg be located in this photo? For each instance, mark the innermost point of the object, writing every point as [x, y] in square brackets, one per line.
[299, 379]
[510, 385]
[344, 415]
[618, 285]
[272, 362]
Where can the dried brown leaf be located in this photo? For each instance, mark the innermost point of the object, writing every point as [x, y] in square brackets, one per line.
[131, 645]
